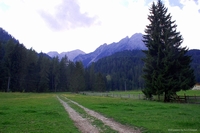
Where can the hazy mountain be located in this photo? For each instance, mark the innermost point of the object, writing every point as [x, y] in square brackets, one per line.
[71, 54]
[53, 54]
[133, 43]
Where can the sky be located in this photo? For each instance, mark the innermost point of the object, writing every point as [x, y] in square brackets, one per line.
[66, 25]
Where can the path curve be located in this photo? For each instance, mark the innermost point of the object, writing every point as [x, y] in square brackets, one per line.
[107, 121]
[83, 124]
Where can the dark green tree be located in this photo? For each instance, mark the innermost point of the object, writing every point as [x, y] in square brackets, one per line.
[79, 77]
[54, 74]
[43, 68]
[32, 72]
[19, 67]
[3, 74]
[63, 72]
[100, 83]
[167, 67]
[91, 77]
[76, 77]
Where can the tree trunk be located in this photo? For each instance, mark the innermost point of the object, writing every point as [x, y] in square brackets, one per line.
[167, 97]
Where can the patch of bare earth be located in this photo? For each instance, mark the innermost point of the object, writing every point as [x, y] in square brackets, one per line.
[81, 123]
[109, 122]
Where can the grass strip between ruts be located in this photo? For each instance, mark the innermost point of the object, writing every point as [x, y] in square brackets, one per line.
[94, 121]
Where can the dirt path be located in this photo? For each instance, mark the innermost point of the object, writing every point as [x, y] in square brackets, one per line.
[109, 122]
[83, 124]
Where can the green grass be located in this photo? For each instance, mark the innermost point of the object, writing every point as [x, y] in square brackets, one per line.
[150, 116]
[127, 92]
[29, 112]
[137, 92]
[189, 93]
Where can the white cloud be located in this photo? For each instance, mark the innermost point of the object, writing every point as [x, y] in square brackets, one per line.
[92, 22]
[188, 20]
[67, 15]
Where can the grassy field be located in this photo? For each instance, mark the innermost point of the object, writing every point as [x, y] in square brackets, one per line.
[31, 112]
[188, 92]
[27, 112]
[150, 116]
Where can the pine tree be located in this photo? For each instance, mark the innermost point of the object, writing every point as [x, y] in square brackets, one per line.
[43, 64]
[167, 67]
[54, 74]
[100, 83]
[64, 78]
[32, 73]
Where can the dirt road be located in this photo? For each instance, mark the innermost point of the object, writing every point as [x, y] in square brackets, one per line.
[85, 126]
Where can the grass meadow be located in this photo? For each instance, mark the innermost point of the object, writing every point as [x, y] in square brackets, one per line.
[33, 112]
[150, 116]
[29, 112]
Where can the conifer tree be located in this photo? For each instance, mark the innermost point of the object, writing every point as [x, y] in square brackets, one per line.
[64, 78]
[167, 67]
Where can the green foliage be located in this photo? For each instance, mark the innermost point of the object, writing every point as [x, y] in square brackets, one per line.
[43, 73]
[124, 70]
[77, 82]
[24, 70]
[64, 74]
[100, 83]
[167, 67]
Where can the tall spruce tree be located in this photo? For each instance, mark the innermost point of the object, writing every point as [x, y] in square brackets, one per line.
[167, 67]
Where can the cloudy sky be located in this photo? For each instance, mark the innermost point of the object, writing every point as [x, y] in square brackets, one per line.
[65, 25]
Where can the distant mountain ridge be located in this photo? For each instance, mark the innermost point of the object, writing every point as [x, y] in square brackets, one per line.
[71, 54]
[133, 43]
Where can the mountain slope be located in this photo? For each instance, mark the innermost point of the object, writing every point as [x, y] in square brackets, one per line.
[5, 36]
[126, 67]
[133, 43]
[71, 54]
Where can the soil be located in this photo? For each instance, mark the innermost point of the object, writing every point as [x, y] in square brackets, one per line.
[85, 126]
[81, 123]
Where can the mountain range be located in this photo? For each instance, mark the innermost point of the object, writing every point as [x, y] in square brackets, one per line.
[70, 54]
[133, 43]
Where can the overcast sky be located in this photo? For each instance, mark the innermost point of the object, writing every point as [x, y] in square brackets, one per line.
[65, 25]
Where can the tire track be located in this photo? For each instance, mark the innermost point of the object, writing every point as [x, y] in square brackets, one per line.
[81, 123]
[109, 122]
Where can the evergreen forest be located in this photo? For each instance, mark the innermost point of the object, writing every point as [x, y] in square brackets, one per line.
[25, 70]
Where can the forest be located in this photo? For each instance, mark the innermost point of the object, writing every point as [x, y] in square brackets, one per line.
[25, 70]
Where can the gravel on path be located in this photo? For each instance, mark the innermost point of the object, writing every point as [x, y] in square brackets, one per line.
[81, 123]
[107, 121]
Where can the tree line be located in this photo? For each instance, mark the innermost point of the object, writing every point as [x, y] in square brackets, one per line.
[123, 70]
[25, 70]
